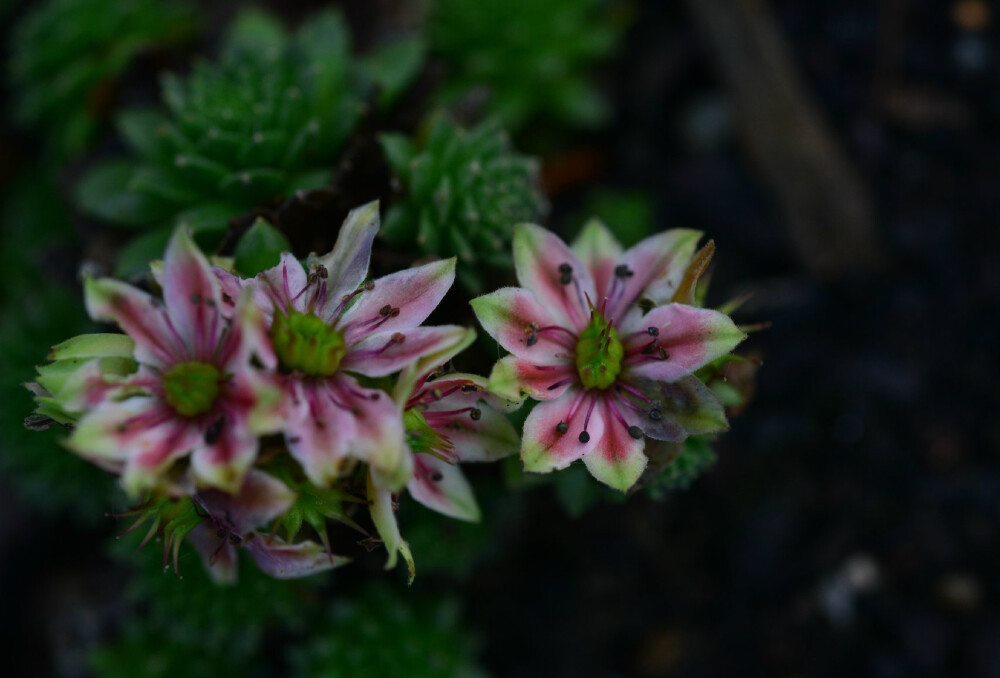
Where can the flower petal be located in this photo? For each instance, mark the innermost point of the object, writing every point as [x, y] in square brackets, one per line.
[384, 518]
[420, 370]
[618, 459]
[414, 293]
[490, 437]
[514, 379]
[513, 316]
[538, 256]
[216, 552]
[225, 454]
[683, 408]
[544, 448]
[318, 430]
[347, 263]
[690, 336]
[378, 355]
[247, 337]
[281, 560]
[258, 500]
[599, 251]
[656, 266]
[192, 296]
[140, 316]
[282, 287]
[442, 487]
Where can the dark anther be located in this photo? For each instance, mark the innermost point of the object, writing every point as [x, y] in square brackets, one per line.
[395, 312]
[469, 388]
[648, 348]
[565, 268]
[375, 396]
[220, 533]
[475, 413]
[553, 387]
[655, 415]
[565, 274]
[196, 298]
[623, 271]
[437, 477]
[213, 432]
[532, 339]
[398, 338]
[562, 427]
[584, 437]
[235, 539]
[369, 285]
[385, 310]
[635, 432]
[228, 299]
[663, 353]
[645, 304]
[322, 272]
[652, 331]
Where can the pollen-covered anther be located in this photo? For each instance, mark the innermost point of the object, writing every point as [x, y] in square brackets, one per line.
[623, 271]
[475, 413]
[584, 437]
[635, 432]
[562, 427]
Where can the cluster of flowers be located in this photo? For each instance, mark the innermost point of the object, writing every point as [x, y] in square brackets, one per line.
[232, 401]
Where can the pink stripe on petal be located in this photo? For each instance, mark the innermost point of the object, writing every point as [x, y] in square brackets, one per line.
[515, 378]
[259, 499]
[318, 430]
[544, 448]
[618, 459]
[192, 295]
[281, 560]
[443, 488]
[347, 264]
[152, 453]
[400, 301]
[385, 353]
[600, 252]
[224, 454]
[538, 257]
[284, 284]
[379, 436]
[140, 316]
[655, 265]
[690, 337]
[522, 325]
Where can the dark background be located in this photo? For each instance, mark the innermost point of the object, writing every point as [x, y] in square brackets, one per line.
[852, 523]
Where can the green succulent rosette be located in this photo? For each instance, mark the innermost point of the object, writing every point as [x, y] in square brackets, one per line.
[67, 54]
[267, 119]
[462, 192]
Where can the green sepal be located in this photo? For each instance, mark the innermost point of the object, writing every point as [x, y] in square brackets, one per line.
[259, 249]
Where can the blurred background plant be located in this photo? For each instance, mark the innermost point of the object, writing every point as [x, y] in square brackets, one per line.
[67, 56]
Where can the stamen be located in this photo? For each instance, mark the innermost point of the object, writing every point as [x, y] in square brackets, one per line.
[562, 427]
[623, 271]
[565, 274]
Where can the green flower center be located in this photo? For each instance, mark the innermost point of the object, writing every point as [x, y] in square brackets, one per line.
[191, 388]
[599, 353]
[305, 343]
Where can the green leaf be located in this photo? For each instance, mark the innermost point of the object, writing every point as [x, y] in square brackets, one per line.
[142, 130]
[134, 258]
[394, 66]
[259, 249]
[399, 151]
[104, 192]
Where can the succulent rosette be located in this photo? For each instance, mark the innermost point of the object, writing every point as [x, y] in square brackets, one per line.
[591, 336]
[330, 328]
[194, 394]
[450, 418]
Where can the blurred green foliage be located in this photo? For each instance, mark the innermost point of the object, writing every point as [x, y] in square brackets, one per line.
[535, 57]
[37, 311]
[463, 191]
[67, 54]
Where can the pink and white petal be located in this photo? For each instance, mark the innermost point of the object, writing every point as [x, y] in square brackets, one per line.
[690, 336]
[318, 429]
[544, 448]
[385, 353]
[414, 293]
[263, 397]
[284, 286]
[515, 379]
[258, 500]
[513, 316]
[490, 438]
[192, 295]
[443, 488]
[618, 459]
[107, 434]
[231, 287]
[538, 255]
[144, 319]
[347, 263]
[218, 555]
[656, 265]
[152, 453]
[247, 337]
[379, 435]
[225, 453]
[282, 560]
[417, 373]
[599, 251]
[384, 519]
[463, 389]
